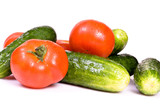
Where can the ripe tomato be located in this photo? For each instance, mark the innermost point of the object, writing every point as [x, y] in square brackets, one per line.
[39, 63]
[64, 44]
[11, 38]
[92, 37]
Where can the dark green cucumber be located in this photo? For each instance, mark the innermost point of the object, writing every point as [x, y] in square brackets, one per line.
[95, 72]
[42, 32]
[147, 76]
[128, 61]
[121, 40]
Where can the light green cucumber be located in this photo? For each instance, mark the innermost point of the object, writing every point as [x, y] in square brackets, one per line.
[96, 73]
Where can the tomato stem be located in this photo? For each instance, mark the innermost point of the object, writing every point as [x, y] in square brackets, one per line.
[39, 52]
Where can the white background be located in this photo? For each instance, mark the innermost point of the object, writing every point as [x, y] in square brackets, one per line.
[139, 18]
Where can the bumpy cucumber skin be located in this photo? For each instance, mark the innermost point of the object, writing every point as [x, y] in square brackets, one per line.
[121, 40]
[96, 73]
[147, 76]
[42, 32]
[128, 61]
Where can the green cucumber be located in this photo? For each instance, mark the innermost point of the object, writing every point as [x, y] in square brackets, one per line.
[147, 76]
[42, 32]
[128, 61]
[121, 40]
[95, 72]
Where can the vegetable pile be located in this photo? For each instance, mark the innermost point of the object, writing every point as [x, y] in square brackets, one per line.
[90, 58]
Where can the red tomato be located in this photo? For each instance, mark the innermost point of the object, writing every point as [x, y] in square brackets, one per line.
[11, 38]
[39, 63]
[64, 44]
[92, 37]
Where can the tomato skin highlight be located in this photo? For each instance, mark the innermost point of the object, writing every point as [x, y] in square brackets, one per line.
[92, 37]
[31, 72]
[11, 38]
[64, 44]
